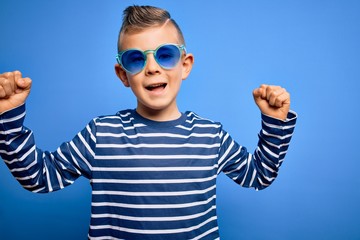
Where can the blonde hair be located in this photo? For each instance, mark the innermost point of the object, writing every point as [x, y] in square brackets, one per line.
[137, 18]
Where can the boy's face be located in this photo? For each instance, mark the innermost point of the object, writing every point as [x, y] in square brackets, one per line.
[155, 88]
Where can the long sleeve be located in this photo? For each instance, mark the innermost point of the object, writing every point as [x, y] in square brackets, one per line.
[260, 169]
[43, 171]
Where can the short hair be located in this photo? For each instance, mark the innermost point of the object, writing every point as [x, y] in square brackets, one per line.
[137, 18]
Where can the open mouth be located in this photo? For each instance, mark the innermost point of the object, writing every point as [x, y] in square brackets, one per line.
[158, 86]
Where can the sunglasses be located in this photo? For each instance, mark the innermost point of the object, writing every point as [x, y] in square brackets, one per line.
[134, 60]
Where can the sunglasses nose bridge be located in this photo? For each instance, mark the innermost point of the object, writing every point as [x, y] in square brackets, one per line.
[149, 51]
[146, 55]
[150, 60]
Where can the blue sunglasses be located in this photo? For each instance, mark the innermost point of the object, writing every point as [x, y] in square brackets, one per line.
[166, 55]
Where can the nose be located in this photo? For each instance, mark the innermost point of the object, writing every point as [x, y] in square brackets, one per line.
[151, 67]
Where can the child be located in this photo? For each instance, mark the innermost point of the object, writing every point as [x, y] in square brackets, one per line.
[153, 169]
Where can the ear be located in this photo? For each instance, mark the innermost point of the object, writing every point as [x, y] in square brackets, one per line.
[187, 64]
[121, 73]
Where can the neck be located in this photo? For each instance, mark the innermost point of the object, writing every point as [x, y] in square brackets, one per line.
[159, 115]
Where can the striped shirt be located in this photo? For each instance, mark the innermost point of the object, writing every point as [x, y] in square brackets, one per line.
[150, 180]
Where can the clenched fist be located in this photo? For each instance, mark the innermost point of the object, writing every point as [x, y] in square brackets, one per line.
[273, 101]
[14, 89]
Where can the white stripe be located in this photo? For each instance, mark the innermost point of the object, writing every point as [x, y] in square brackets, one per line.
[80, 155]
[106, 134]
[270, 152]
[118, 116]
[160, 231]
[153, 219]
[144, 145]
[117, 157]
[10, 141]
[268, 168]
[277, 126]
[18, 148]
[206, 233]
[249, 159]
[38, 190]
[275, 145]
[13, 119]
[153, 181]
[93, 138]
[261, 182]
[119, 125]
[276, 136]
[282, 153]
[14, 130]
[153, 206]
[153, 169]
[62, 177]
[126, 115]
[270, 179]
[104, 238]
[114, 116]
[227, 150]
[153, 194]
[252, 178]
[199, 126]
[48, 178]
[27, 177]
[237, 169]
[64, 158]
[197, 117]
[231, 158]
[86, 145]
[261, 155]
[59, 180]
[30, 186]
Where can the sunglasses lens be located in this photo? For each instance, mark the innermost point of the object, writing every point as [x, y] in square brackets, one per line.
[133, 61]
[168, 56]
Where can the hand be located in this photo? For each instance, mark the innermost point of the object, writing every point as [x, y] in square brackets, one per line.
[14, 89]
[273, 101]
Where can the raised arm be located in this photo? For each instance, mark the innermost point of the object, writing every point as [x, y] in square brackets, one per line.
[35, 169]
[259, 170]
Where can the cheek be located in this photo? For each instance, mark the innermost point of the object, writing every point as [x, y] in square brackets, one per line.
[176, 78]
[178, 74]
[134, 85]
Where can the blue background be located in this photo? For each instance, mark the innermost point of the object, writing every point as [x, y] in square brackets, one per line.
[310, 47]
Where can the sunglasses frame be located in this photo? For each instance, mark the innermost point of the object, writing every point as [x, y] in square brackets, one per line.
[181, 49]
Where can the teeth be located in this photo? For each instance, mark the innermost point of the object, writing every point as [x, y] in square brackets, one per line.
[156, 85]
[150, 87]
